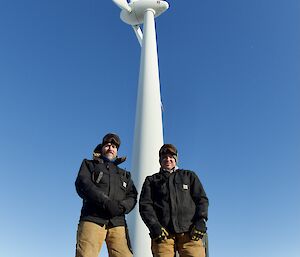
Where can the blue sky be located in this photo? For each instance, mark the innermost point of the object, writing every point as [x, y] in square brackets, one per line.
[230, 77]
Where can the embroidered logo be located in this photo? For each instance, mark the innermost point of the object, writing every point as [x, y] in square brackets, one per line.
[185, 187]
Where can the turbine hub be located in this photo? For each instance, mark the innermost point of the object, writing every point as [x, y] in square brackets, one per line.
[136, 16]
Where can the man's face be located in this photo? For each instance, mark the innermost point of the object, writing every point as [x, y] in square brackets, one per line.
[110, 151]
[168, 162]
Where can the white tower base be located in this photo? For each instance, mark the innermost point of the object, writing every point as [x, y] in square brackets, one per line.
[148, 135]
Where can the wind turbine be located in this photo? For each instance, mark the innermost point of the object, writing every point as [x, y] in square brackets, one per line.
[148, 134]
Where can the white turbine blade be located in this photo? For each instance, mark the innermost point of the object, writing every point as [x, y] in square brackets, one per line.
[138, 32]
[123, 4]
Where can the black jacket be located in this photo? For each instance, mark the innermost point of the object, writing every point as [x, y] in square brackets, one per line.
[175, 201]
[100, 181]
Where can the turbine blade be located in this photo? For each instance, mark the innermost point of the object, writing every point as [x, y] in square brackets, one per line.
[123, 4]
[138, 32]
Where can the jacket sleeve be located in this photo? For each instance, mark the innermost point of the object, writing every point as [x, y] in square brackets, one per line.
[86, 188]
[131, 196]
[146, 208]
[199, 196]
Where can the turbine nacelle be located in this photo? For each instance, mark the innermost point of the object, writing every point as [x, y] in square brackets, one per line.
[133, 13]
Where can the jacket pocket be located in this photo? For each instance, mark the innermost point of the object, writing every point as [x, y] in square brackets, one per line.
[182, 184]
[101, 180]
[121, 188]
[160, 190]
[186, 205]
[123, 184]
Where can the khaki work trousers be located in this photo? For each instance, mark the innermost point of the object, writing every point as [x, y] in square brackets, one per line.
[90, 237]
[178, 242]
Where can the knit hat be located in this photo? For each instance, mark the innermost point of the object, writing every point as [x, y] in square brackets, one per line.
[108, 138]
[168, 149]
[111, 138]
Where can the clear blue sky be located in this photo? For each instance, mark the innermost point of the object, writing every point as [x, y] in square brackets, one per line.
[230, 78]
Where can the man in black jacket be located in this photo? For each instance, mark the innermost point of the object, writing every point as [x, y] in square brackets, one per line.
[173, 205]
[108, 194]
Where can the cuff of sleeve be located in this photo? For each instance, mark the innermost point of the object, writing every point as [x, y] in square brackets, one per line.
[200, 225]
[122, 207]
[155, 230]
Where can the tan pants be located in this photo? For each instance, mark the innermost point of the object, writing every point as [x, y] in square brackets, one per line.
[91, 236]
[182, 243]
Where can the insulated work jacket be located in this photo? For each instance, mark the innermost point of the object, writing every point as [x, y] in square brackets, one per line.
[100, 181]
[174, 201]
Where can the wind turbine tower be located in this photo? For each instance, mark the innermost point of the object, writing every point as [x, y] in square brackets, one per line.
[148, 134]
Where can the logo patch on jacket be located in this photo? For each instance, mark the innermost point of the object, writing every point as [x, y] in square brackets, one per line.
[185, 186]
[99, 177]
[124, 184]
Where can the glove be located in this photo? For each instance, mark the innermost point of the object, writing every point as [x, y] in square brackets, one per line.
[196, 234]
[114, 208]
[198, 230]
[162, 236]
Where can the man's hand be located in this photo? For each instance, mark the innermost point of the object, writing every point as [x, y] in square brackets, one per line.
[196, 234]
[162, 236]
[114, 208]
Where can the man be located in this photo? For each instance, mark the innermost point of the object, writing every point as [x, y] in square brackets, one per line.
[108, 194]
[173, 205]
